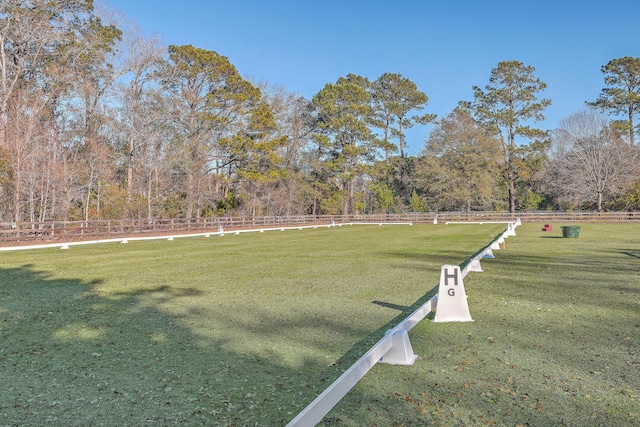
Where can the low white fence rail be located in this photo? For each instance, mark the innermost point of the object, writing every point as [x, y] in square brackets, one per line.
[221, 232]
[49, 231]
[393, 348]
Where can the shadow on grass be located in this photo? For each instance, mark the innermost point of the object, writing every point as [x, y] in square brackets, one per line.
[633, 254]
[75, 355]
[429, 261]
[401, 308]
[363, 346]
[165, 292]
[553, 344]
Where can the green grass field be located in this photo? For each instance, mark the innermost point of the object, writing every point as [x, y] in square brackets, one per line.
[245, 330]
[555, 342]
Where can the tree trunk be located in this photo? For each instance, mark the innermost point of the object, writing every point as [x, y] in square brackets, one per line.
[345, 206]
[631, 129]
[17, 217]
[401, 140]
[512, 193]
[599, 201]
[190, 195]
[132, 146]
[512, 174]
[386, 142]
[150, 185]
[4, 87]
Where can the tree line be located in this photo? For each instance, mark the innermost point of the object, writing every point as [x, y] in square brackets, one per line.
[98, 121]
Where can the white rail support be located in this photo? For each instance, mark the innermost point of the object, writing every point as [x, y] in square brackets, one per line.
[473, 266]
[321, 405]
[401, 352]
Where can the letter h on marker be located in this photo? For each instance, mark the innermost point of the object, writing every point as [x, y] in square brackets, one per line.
[448, 276]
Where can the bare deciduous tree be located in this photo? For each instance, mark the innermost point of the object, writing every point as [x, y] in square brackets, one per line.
[139, 59]
[589, 162]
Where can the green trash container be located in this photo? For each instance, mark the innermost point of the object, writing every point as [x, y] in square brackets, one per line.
[572, 231]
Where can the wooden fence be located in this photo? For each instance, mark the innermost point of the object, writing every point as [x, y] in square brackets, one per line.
[51, 231]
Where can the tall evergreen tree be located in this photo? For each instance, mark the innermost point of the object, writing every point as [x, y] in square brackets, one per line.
[506, 105]
[342, 113]
[622, 96]
[394, 98]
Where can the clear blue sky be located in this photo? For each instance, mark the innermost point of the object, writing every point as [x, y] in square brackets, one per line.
[446, 47]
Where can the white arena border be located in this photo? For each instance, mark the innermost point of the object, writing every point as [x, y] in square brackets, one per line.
[394, 338]
[220, 232]
[479, 222]
[321, 405]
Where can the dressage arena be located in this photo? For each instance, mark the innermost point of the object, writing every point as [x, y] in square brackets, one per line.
[248, 329]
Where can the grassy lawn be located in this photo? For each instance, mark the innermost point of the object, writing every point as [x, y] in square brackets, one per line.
[245, 330]
[555, 342]
[240, 330]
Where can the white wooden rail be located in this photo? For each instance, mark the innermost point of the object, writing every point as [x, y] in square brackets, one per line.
[321, 405]
[386, 349]
[220, 232]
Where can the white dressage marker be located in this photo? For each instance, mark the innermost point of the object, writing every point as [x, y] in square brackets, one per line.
[452, 299]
